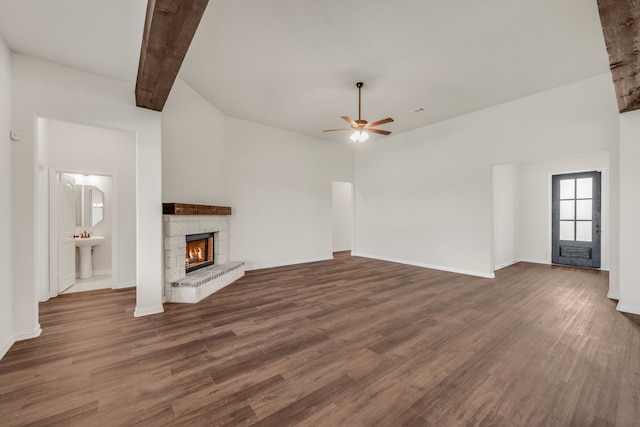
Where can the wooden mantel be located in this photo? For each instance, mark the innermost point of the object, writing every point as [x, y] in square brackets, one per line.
[190, 209]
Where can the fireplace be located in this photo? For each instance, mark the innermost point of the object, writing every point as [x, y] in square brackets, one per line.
[199, 252]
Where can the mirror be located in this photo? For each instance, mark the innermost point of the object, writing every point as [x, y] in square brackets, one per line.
[89, 205]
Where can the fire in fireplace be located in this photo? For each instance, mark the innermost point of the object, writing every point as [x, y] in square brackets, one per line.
[199, 251]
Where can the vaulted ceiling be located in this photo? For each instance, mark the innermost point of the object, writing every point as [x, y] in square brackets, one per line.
[294, 64]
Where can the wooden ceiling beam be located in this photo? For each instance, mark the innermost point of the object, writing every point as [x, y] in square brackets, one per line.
[620, 21]
[168, 31]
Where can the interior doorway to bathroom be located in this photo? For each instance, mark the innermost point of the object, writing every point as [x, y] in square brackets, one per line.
[89, 153]
[82, 223]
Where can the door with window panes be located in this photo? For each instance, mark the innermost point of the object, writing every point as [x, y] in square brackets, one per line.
[576, 219]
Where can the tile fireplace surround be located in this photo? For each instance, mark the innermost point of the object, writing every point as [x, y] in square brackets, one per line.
[180, 220]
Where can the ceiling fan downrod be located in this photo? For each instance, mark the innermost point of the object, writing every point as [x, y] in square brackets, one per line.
[359, 85]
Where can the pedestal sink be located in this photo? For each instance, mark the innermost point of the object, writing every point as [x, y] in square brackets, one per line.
[85, 244]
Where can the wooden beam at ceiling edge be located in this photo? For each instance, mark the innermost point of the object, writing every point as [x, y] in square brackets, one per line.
[169, 28]
[620, 21]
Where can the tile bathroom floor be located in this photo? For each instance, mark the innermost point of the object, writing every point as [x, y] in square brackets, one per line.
[100, 281]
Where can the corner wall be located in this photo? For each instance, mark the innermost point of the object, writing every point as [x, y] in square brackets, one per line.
[6, 253]
[280, 187]
[424, 197]
[278, 183]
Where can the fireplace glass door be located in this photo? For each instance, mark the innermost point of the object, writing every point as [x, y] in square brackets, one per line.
[199, 251]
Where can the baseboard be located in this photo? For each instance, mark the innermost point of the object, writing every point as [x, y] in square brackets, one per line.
[27, 335]
[547, 262]
[424, 265]
[535, 261]
[286, 263]
[96, 273]
[124, 285]
[506, 264]
[342, 250]
[628, 309]
[140, 312]
[6, 345]
[613, 295]
[102, 272]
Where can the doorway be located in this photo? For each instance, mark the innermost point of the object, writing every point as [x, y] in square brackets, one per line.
[82, 224]
[342, 202]
[576, 219]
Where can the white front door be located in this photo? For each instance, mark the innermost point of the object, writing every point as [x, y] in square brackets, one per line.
[66, 201]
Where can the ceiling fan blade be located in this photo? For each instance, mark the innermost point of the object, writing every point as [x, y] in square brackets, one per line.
[348, 120]
[381, 122]
[380, 131]
[333, 130]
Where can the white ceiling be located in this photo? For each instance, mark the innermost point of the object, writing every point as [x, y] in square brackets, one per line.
[293, 64]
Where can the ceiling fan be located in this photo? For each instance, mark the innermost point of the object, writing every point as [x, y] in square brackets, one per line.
[360, 126]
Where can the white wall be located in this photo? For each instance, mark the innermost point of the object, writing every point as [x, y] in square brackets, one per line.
[425, 197]
[629, 212]
[535, 208]
[280, 185]
[506, 214]
[193, 153]
[79, 148]
[6, 253]
[44, 89]
[342, 216]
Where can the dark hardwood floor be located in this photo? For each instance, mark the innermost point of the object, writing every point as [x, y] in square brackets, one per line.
[346, 342]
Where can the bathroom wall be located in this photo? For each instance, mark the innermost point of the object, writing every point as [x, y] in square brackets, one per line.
[102, 253]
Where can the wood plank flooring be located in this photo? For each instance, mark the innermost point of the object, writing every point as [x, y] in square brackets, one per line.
[346, 342]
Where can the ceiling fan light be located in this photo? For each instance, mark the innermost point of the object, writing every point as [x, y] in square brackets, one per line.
[359, 136]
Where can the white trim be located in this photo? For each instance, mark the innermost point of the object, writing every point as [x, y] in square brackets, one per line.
[342, 250]
[140, 312]
[424, 265]
[124, 285]
[96, 273]
[539, 261]
[506, 264]
[6, 346]
[628, 309]
[613, 295]
[26, 335]
[285, 263]
[53, 235]
[536, 261]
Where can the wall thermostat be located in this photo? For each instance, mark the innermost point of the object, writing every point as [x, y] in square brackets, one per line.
[15, 136]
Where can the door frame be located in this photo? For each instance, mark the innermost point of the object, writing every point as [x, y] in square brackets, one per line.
[53, 225]
[604, 213]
